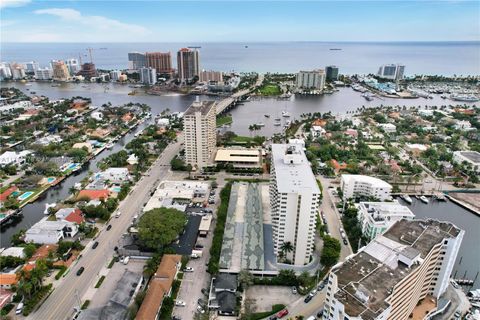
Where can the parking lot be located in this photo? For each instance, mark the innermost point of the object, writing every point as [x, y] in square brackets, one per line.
[266, 296]
[193, 282]
[104, 293]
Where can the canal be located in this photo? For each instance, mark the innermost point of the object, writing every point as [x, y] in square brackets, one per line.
[468, 260]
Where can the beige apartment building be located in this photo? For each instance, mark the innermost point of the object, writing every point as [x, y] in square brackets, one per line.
[199, 127]
[60, 71]
[386, 279]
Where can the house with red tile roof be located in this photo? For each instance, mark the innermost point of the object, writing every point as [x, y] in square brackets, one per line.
[7, 280]
[43, 251]
[102, 194]
[338, 166]
[71, 215]
[351, 132]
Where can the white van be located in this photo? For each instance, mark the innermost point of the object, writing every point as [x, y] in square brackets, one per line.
[125, 261]
[19, 308]
[118, 214]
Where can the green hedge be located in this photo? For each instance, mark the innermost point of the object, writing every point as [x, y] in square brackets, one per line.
[6, 309]
[60, 272]
[85, 304]
[100, 281]
[216, 247]
[261, 315]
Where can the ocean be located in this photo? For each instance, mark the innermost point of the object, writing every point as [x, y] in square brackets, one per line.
[434, 58]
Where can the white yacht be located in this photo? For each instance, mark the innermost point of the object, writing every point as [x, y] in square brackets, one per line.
[424, 199]
[406, 198]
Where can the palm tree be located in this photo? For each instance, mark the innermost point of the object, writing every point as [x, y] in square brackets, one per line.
[286, 247]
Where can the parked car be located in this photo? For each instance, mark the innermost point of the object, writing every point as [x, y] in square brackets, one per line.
[194, 256]
[274, 317]
[188, 269]
[294, 290]
[201, 303]
[205, 291]
[320, 314]
[200, 309]
[80, 271]
[109, 227]
[308, 298]
[282, 313]
[180, 303]
[198, 246]
[321, 286]
[345, 242]
[19, 308]
[95, 245]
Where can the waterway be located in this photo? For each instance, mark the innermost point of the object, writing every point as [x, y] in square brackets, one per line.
[244, 115]
[468, 259]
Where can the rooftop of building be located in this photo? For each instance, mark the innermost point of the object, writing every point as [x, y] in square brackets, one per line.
[386, 208]
[203, 107]
[295, 175]
[238, 155]
[366, 179]
[473, 156]
[367, 279]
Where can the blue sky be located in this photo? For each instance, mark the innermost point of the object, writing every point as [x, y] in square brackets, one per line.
[185, 21]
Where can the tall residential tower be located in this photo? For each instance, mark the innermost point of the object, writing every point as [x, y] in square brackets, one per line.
[160, 61]
[199, 127]
[294, 200]
[386, 279]
[188, 64]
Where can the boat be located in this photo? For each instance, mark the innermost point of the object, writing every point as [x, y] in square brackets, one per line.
[358, 88]
[406, 198]
[335, 49]
[32, 92]
[48, 206]
[109, 145]
[266, 115]
[246, 47]
[424, 199]
[368, 96]
[277, 119]
[443, 96]
[132, 93]
[464, 98]
[285, 114]
[287, 123]
[261, 124]
[277, 123]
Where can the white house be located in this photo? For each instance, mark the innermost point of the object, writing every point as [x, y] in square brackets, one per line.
[317, 131]
[116, 175]
[463, 125]
[10, 157]
[354, 185]
[163, 122]
[50, 232]
[132, 159]
[376, 217]
[14, 252]
[387, 127]
[49, 139]
[97, 115]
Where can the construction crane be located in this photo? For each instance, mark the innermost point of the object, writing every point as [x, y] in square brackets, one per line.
[89, 49]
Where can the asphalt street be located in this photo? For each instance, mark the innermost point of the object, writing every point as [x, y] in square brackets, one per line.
[68, 292]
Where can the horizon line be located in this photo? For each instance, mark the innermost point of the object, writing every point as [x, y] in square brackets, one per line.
[256, 41]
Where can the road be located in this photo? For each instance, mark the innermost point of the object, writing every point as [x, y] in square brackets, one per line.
[227, 101]
[69, 291]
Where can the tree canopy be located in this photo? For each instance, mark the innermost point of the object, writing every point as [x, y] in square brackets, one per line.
[159, 227]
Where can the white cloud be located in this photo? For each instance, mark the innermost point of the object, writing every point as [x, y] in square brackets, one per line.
[41, 37]
[13, 3]
[98, 22]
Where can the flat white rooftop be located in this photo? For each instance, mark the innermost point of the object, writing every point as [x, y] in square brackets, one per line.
[348, 178]
[238, 155]
[292, 176]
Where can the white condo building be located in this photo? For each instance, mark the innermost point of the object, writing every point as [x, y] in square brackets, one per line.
[294, 200]
[148, 76]
[43, 74]
[387, 278]
[311, 80]
[115, 75]
[73, 66]
[200, 130]
[355, 185]
[376, 217]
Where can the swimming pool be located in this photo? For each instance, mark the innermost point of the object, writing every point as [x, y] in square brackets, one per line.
[25, 195]
[116, 189]
[71, 166]
[51, 179]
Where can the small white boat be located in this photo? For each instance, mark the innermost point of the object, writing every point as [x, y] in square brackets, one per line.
[261, 124]
[424, 199]
[285, 114]
[109, 145]
[406, 198]
[48, 206]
